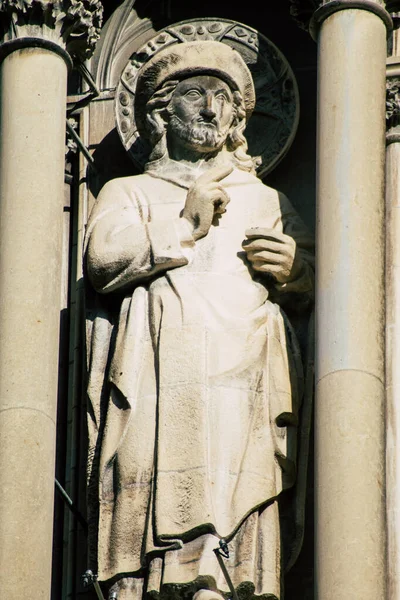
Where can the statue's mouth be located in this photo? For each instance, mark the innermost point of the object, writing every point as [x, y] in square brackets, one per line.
[213, 124]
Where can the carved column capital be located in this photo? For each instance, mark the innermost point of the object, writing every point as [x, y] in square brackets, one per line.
[393, 76]
[392, 110]
[393, 101]
[71, 25]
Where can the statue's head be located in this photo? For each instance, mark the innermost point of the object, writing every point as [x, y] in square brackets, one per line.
[197, 94]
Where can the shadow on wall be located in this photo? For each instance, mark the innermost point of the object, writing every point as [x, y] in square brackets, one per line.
[110, 160]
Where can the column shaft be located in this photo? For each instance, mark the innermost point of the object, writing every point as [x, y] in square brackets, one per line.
[392, 368]
[350, 463]
[393, 313]
[32, 139]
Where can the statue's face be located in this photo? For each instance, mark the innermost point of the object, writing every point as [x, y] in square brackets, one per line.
[201, 113]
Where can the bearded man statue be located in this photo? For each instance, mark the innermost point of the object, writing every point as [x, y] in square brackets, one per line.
[200, 367]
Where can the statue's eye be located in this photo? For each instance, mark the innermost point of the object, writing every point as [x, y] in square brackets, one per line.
[192, 94]
[221, 97]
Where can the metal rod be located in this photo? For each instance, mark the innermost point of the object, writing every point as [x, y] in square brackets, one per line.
[80, 144]
[72, 507]
[76, 104]
[220, 552]
[89, 578]
[87, 76]
[98, 590]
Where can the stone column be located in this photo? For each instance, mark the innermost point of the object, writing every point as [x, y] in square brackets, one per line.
[34, 56]
[393, 307]
[393, 352]
[350, 413]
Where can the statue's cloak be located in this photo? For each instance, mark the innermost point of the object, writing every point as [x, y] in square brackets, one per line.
[195, 380]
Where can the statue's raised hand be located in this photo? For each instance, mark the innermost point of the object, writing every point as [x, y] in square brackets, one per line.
[273, 252]
[205, 199]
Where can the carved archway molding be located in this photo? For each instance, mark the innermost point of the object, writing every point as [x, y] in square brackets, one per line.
[123, 33]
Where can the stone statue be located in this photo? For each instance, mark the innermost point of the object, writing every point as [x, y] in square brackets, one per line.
[198, 363]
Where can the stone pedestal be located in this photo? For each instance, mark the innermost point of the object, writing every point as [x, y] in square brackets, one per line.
[33, 78]
[350, 415]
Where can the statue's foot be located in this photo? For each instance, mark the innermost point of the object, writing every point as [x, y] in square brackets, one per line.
[207, 595]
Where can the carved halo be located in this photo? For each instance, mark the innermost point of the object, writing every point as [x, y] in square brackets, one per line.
[271, 129]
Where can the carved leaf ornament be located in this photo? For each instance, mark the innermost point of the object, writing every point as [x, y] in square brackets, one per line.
[75, 24]
[392, 102]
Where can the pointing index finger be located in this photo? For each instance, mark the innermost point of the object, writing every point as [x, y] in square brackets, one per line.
[215, 174]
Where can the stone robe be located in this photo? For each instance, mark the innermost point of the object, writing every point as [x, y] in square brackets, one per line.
[203, 383]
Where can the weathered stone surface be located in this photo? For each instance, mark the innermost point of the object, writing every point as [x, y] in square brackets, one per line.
[195, 379]
[350, 440]
[32, 137]
[392, 361]
[392, 297]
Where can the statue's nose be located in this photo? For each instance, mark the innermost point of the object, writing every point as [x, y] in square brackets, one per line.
[208, 111]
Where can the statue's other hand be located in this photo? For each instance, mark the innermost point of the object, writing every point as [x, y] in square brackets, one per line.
[205, 199]
[273, 252]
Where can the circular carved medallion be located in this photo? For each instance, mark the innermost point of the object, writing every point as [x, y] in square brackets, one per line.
[273, 125]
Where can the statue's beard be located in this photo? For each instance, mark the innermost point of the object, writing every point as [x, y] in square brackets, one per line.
[202, 135]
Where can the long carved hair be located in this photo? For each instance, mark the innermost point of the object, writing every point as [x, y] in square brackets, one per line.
[157, 115]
